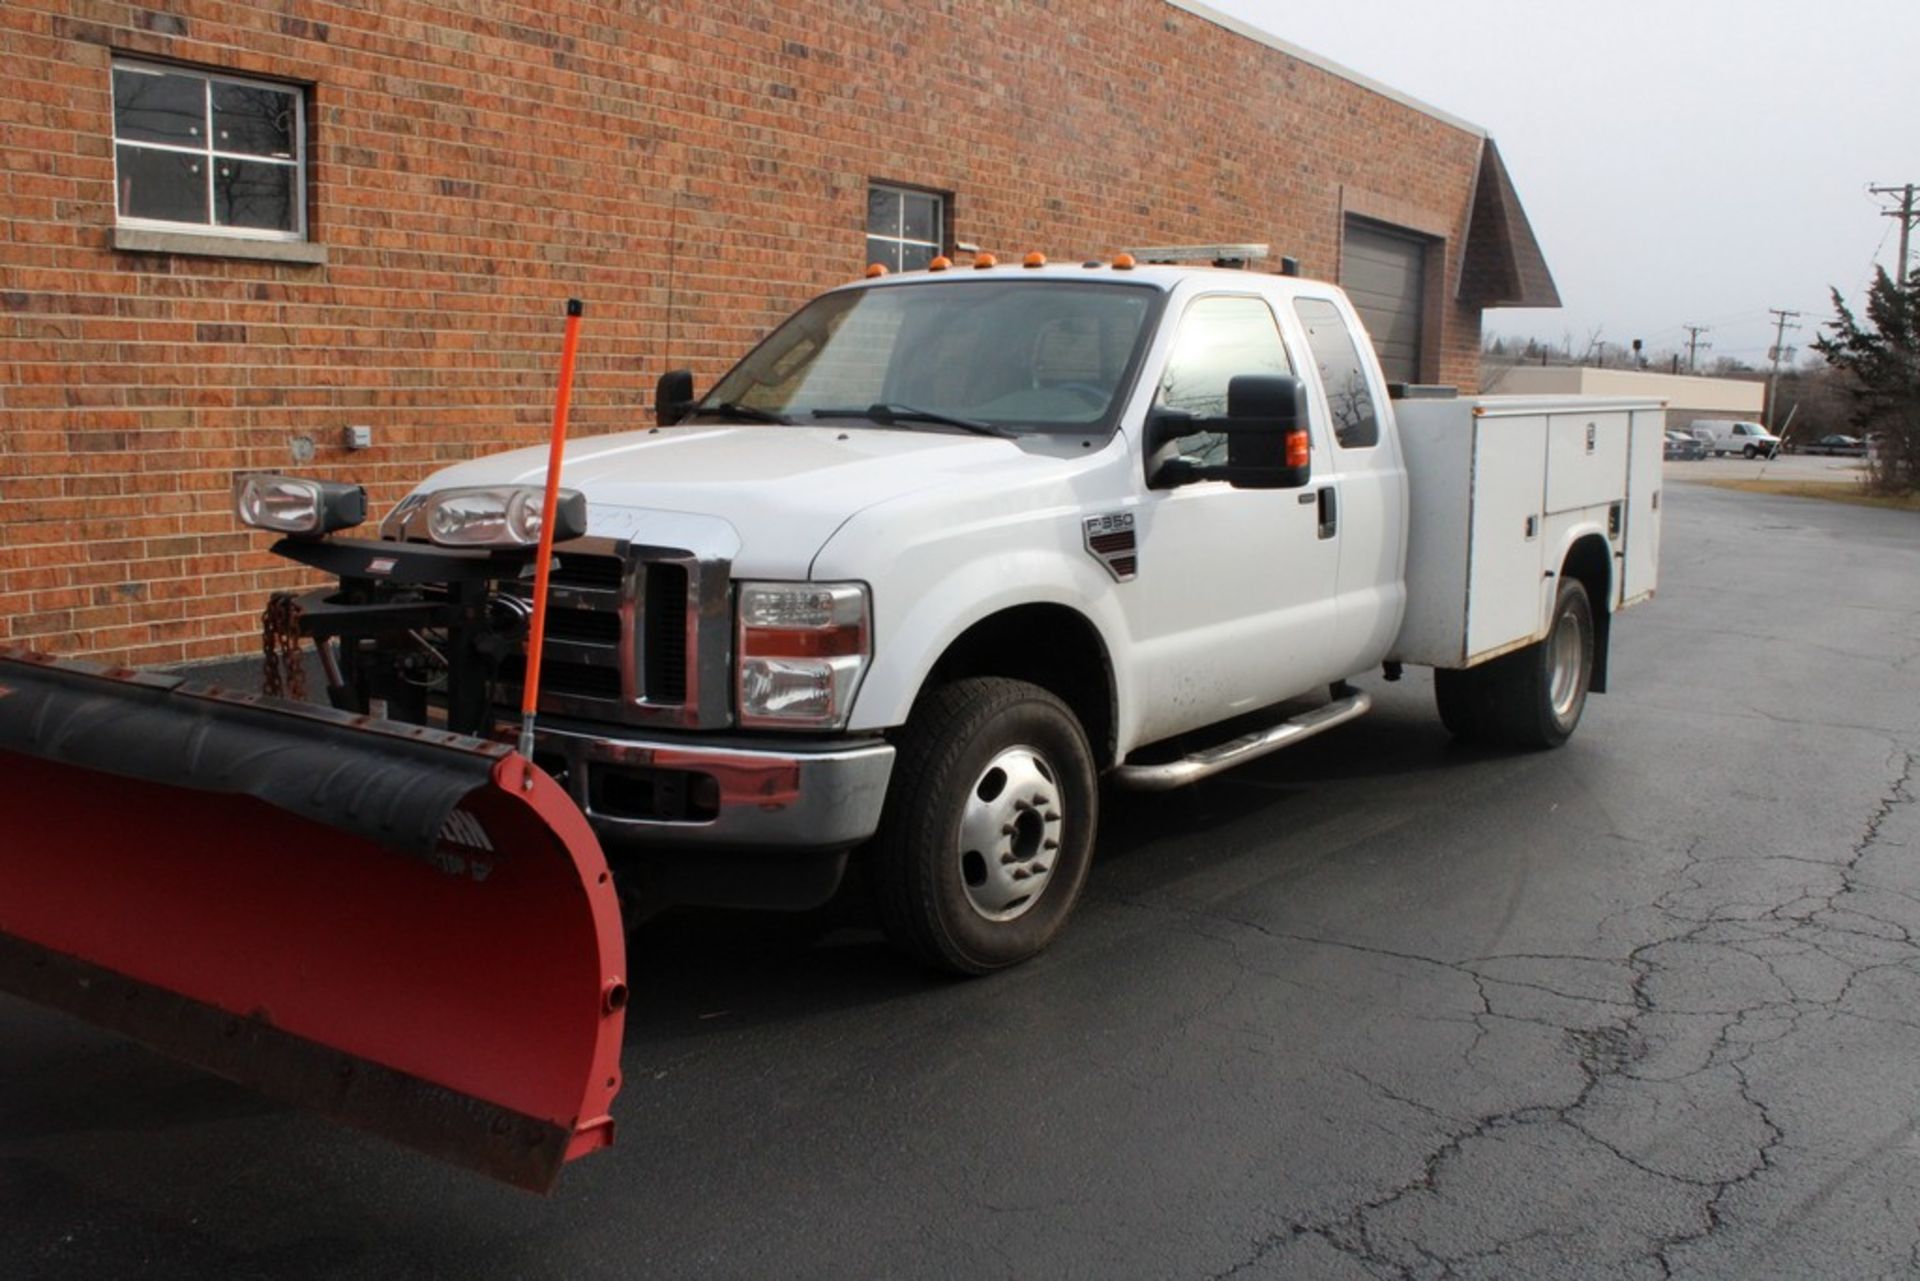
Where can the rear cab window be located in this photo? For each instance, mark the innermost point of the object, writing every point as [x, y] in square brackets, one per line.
[1342, 371]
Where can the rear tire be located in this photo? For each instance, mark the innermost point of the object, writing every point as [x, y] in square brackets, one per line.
[1531, 699]
[987, 834]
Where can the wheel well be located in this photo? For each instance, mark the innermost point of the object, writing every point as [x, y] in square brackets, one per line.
[1590, 562]
[1051, 646]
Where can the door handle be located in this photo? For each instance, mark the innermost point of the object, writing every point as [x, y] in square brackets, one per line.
[1329, 513]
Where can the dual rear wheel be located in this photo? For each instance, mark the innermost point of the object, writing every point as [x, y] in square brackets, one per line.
[1531, 698]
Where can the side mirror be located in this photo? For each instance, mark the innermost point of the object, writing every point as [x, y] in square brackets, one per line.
[1266, 426]
[1266, 430]
[673, 396]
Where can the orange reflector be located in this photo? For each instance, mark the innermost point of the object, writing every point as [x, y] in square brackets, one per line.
[875, 269]
[983, 261]
[1299, 450]
[1123, 262]
[940, 264]
[1034, 259]
[803, 642]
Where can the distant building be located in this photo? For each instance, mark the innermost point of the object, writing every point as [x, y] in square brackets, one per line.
[1687, 397]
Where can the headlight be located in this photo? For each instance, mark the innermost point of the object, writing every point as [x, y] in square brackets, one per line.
[295, 505]
[802, 649]
[500, 516]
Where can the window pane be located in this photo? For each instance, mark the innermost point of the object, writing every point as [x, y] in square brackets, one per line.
[1342, 373]
[250, 193]
[920, 217]
[1220, 339]
[884, 252]
[152, 106]
[168, 185]
[253, 120]
[915, 257]
[883, 211]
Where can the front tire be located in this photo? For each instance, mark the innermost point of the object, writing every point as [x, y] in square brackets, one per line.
[1751, 452]
[987, 834]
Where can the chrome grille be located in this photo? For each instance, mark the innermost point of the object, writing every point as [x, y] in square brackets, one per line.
[638, 635]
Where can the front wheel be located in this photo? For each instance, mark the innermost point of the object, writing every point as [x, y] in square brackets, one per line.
[987, 833]
[1751, 453]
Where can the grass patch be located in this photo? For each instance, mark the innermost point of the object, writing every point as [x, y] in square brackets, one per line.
[1844, 491]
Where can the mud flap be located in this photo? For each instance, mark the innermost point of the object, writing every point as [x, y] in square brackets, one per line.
[376, 920]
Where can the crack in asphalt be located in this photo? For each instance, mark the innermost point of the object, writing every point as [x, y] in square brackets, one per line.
[1809, 923]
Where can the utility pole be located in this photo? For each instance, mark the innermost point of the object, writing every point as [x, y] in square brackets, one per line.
[1780, 327]
[1906, 214]
[1693, 342]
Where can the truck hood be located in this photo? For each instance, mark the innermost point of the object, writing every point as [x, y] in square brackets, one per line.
[783, 490]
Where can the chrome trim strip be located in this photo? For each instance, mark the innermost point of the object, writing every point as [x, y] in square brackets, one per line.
[1205, 764]
[769, 799]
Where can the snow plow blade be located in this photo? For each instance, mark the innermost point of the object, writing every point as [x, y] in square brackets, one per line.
[379, 921]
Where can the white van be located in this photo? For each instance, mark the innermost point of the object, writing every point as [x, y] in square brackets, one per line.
[1731, 436]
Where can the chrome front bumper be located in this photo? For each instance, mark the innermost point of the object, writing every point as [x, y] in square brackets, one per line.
[716, 795]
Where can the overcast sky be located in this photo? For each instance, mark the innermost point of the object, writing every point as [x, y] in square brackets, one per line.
[1691, 161]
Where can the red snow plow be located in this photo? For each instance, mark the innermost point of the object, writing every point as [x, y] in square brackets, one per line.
[378, 920]
[370, 908]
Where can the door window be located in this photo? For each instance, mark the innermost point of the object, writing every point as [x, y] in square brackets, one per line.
[1221, 337]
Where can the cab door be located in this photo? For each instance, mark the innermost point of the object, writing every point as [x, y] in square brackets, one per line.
[1362, 488]
[1234, 606]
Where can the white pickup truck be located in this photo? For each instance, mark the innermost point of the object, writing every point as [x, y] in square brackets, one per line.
[949, 548]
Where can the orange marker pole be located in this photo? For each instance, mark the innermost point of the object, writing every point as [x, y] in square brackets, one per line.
[543, 564]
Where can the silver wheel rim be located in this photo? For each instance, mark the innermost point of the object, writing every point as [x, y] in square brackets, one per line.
[1010, 834]
[1568, 650]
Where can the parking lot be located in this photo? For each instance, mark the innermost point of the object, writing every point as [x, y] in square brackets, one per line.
[1380, 1006]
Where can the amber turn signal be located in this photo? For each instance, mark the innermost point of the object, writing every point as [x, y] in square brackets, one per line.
[1299, 449]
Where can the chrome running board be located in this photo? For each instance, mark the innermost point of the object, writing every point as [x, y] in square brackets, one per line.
[1205, 764]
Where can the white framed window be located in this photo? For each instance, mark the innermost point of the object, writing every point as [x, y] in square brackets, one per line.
[210, 153]
[906, 227]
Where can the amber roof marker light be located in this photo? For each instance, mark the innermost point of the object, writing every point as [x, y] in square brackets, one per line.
[1034, 259]
[1123, 262]
[876, 270]
[940, 263]
[983, 261]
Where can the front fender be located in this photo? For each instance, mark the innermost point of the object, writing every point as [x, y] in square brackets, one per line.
[920, 613]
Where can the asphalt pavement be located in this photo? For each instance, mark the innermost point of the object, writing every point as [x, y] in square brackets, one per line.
[1645, 1006]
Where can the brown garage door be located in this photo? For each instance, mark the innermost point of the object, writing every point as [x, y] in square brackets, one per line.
[1384, 272]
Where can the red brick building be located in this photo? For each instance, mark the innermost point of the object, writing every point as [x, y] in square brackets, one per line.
[230, 233]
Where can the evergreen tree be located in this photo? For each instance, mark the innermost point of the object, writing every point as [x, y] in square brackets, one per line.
[1880, 362]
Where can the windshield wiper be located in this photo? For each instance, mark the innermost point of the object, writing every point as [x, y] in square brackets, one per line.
[887, 414]
[734, 409]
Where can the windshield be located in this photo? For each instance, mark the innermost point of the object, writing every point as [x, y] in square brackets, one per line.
[1036, 355]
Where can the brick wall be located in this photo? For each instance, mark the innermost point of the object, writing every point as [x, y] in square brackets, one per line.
[693, 171]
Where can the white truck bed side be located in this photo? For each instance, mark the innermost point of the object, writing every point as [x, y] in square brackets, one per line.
[1498, 488]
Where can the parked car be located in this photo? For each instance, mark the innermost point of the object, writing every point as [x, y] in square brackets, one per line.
[1737, 436]
[1836, 445]
[1684, 448]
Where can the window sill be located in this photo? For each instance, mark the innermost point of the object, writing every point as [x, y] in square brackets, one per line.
[139, 240]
